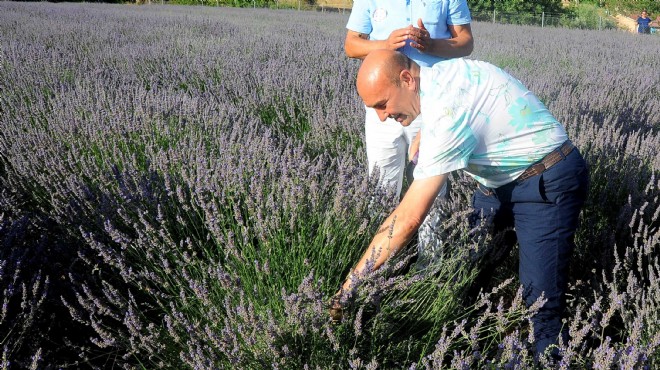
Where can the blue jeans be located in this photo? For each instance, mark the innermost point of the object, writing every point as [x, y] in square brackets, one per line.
[543, 210]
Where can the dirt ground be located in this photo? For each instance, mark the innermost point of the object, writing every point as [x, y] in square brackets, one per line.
[336, 4]
[626, 23]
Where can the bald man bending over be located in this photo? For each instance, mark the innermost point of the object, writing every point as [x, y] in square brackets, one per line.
[478, 119]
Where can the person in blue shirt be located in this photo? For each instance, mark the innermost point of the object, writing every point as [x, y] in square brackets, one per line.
[427, 31]
[643, 22]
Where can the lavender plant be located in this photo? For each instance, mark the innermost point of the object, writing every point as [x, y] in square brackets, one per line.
[23, 293]
[203, 174]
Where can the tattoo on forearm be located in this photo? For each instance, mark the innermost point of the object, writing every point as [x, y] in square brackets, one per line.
[382, 230]
[389, 228]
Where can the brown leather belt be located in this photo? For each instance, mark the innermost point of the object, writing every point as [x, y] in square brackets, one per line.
[548, 161]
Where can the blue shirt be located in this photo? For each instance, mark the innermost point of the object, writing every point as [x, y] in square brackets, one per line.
[378, 18]
[643, 24]
[478, 118]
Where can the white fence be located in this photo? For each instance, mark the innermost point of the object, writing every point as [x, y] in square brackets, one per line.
[546, 19]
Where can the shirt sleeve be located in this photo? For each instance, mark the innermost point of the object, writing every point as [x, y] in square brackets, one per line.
[446, 145]
[459, 13]
[360, 18]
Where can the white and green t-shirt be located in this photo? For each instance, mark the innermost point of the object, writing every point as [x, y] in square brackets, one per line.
[478, 118]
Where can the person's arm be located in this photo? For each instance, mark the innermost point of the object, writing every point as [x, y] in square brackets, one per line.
[358, 45]
[398, 228]
[460, 44]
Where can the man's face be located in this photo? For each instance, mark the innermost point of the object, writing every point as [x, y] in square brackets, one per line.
[400, 102]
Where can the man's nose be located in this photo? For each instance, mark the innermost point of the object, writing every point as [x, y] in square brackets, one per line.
[382, 115]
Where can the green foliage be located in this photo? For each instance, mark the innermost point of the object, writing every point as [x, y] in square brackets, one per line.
[512, 6]
[273, 4]
[633, 6]
[623, 6]
[587, 16]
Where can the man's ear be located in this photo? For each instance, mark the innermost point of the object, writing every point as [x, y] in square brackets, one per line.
[407, 79]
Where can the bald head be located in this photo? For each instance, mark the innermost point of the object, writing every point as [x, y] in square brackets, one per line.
[381, 66]
[388, 82]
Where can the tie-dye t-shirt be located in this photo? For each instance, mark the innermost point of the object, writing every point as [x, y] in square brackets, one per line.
[478, 118]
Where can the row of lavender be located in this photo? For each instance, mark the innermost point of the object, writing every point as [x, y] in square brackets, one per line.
[185, 187]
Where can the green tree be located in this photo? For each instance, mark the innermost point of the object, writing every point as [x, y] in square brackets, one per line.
[624, 6]
[511, 6]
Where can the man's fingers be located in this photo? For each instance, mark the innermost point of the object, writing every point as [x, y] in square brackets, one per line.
[336, 314]
[336, 309]
[419, 47]
[398, 44]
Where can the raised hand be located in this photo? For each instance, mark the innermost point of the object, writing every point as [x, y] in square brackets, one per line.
[420, 36]
[398, 38]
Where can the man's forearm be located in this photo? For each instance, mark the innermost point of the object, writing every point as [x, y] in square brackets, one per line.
[460, 43]
[393, 234]
[452, 48]
[359, 47]
[399, 227]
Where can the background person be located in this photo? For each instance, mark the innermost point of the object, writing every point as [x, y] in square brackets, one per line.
[479, 119]
[427, 31]
[643, 22]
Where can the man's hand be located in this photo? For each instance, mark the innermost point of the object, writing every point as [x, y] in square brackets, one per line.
[420, 36]
[358, 45]
[398, 38]
[336, 309]
[459, 45]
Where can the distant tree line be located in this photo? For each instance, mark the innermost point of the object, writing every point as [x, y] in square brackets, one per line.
[556, 6]
[521, 6]
[505, 6]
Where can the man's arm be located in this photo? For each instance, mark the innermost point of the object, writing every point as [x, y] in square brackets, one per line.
[399, 227]
[460, 44]
[358, 45]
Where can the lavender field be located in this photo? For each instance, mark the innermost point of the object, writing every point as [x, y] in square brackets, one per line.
[185, 187]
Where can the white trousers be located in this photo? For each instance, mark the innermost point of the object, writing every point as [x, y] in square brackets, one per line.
[387, 147]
